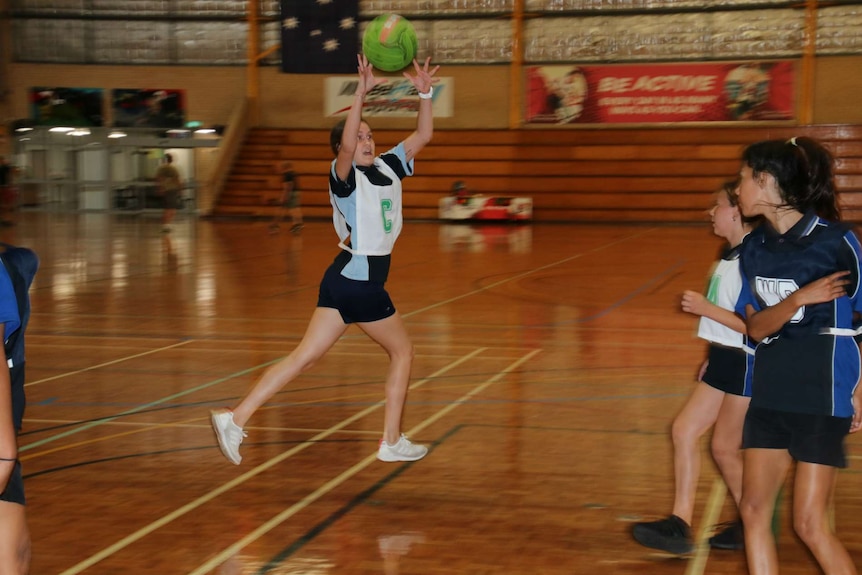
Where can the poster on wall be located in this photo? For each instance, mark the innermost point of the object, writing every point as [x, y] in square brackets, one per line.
[661, 93]
[394, 98]
[133, 108]
[72, 107]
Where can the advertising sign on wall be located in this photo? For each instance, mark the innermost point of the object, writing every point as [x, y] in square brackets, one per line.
[661, 93]
[73, 107]
[396, 97]
[135, 108]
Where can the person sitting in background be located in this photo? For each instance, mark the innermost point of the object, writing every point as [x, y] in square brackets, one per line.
[460, 191]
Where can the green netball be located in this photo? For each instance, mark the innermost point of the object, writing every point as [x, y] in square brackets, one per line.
[390, 42]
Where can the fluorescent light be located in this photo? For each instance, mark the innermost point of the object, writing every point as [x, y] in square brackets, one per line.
[61, 129]
[23, 129]
[205, 131]
[117, 134]
[80, 132]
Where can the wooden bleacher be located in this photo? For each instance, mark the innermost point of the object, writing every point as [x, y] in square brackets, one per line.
[589, 175]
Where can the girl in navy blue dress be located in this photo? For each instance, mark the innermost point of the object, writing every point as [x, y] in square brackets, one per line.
[800, 294]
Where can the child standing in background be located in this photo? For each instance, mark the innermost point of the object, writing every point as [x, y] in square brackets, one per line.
[720, 397]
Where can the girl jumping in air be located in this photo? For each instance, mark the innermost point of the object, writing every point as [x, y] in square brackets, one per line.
[365, 192]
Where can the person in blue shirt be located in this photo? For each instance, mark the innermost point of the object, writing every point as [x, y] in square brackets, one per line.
[800, 295]
[365, 192]
[18, 268]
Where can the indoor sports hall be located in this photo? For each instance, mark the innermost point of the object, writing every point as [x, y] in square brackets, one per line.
[545, 378]
[551, 227]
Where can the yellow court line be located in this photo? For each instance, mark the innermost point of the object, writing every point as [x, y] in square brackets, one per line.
[266, 527]
[166, 519]
[710, 517]
[150, 426]
[106, 364]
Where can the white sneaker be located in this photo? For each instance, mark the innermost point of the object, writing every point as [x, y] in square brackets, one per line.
[228, 433]
[403, 450]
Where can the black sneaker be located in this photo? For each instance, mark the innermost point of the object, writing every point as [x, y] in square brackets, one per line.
[671, 534]
[728, 536]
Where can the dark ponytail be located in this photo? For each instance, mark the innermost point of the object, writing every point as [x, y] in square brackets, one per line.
[821, 178]
[802, 168]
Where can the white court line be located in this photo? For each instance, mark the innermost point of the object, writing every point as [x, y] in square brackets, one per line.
[200, 501]
[106, 364]
[524, 274]
[243, 372]
[710, 517]
[142, 407]
[336, 481]
[164, 520]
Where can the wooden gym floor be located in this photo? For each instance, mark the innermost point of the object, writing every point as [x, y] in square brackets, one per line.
[550, 361]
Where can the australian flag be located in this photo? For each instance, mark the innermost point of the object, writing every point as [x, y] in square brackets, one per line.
[319, 36]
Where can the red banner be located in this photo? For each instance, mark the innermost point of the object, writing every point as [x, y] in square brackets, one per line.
[661, 93]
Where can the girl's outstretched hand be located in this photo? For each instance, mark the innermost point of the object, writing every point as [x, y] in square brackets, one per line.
[367, 81]
[423, 79]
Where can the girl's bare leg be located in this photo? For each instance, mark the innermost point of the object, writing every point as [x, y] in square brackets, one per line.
[324, 329]
[812, 491]
[763, 474]
[392, 335]
[727, 442]
[697, 416]
[14, 539]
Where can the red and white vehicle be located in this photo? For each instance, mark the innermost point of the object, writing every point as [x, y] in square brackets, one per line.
[486, 208]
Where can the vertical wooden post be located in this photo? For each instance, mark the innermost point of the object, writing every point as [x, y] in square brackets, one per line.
[5, 86]
[252, 72]
[516, 71]
[809, 57]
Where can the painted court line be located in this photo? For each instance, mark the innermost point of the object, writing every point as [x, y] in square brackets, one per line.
[200, 501]
[90, 425]
[106, 364]
[710, 516]
[266, 527]
[144, 427]
[140, 408]
[165, 519]
[526, 273]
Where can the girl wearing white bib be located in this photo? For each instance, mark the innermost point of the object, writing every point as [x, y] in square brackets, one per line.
[719, 399]
[365, 191]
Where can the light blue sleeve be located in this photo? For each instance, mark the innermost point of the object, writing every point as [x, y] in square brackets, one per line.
[401, 153]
